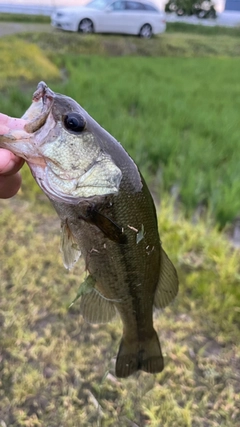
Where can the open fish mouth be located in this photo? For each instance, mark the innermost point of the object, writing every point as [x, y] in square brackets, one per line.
[38, 112]
[19, 135]
[14, 129]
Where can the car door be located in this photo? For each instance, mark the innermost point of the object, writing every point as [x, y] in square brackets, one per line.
[112, 18]
[135, 16]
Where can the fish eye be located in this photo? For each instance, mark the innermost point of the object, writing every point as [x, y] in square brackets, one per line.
[74, 122]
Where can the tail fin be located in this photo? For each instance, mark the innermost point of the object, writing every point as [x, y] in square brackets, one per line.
[146, 355]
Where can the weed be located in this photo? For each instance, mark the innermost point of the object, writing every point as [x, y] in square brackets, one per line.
[55, 369]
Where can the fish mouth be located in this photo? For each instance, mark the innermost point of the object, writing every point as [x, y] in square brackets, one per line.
[14, 130]
[38, 112]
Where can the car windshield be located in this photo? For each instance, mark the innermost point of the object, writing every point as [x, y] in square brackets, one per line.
[98, 4]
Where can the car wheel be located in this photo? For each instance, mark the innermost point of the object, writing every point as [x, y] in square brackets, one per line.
[180, 12]
[212, 14]
[201, 14]
[85, 26]
[146, 31]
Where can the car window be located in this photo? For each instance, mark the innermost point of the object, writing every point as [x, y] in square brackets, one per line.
[118, 5]
[97, 4]
[133, 5]
[150, 7]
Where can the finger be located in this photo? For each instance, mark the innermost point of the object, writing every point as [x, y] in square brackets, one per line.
[9, 163]
[9, 185]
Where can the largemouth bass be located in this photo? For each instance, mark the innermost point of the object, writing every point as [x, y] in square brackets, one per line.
[107, 216]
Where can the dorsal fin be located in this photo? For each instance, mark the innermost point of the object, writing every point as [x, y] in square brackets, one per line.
[167, 287]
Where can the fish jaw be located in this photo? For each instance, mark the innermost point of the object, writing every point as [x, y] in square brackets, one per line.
[12, 130]
[18, 135]
[8, 123]
[14, 138]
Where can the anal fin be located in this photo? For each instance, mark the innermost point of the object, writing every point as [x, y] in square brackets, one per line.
[167, 287]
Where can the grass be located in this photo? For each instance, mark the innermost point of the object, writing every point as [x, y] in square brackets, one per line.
[173, 44]
[18, 17]
[23, 61]
[182, 27]
[177, 117]
[57, 370]
[184, 130]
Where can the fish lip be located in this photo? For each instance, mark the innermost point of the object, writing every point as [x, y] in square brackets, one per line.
[43, 96]
[43, 91]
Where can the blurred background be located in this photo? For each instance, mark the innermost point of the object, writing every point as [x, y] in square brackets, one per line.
[172, 98]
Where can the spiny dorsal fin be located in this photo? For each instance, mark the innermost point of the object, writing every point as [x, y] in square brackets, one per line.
[167, 287]
[68, 247]
[95, 308]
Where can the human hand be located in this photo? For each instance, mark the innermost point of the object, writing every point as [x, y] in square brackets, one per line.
[10, 178]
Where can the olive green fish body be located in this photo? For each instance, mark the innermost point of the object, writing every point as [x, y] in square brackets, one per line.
[126, 273]
[107, 216]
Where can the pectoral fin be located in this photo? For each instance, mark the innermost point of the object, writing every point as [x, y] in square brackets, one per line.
[111, 230]
[167, 287]
[68, 247]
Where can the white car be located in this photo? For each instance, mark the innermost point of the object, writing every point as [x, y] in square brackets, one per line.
[108, 16]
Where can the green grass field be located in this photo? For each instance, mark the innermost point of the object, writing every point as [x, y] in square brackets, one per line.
[177, 117]
[174, 105]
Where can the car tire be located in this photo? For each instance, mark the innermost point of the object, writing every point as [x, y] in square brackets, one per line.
[180, 12]
[146, 31]
[212, 14]
[85, 26]
[201, 14]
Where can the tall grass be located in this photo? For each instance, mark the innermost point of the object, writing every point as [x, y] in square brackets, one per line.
[178, 119]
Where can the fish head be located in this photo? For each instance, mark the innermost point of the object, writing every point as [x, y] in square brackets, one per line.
[63, 147]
